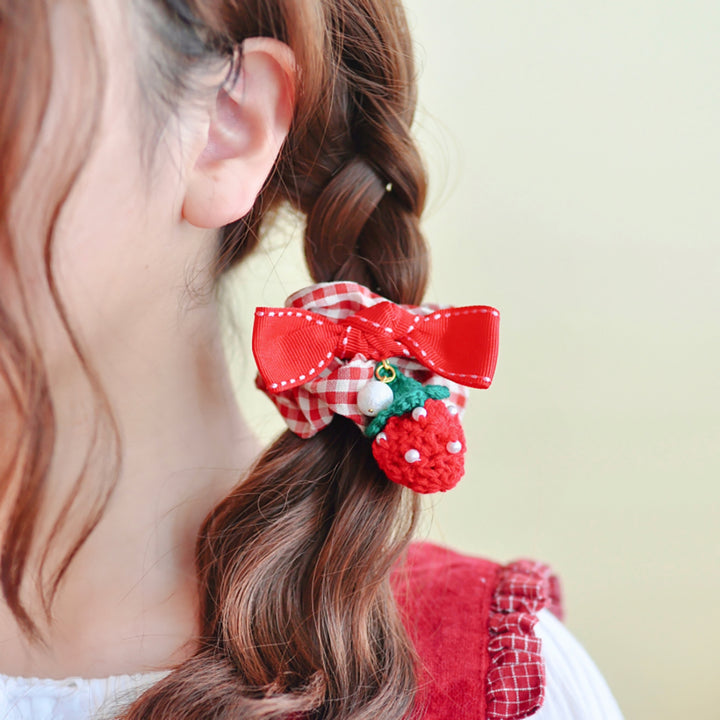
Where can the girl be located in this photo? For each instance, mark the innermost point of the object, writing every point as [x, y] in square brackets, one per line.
[151, 566]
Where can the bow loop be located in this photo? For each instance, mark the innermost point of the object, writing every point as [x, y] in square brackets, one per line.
[292, 346]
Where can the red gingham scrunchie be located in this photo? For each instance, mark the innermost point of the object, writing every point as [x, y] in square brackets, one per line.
[310, 407]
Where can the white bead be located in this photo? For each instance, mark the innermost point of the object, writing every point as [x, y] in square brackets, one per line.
[419, 412]
[374, 397]
[452, 410]
[412, 456]
[380, 436]
[454, 447]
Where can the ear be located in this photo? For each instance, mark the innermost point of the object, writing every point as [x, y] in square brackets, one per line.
[247, 128]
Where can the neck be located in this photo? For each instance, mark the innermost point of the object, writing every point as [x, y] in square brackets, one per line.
[184, 446]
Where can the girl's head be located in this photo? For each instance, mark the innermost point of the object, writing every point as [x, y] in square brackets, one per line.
[146, 141]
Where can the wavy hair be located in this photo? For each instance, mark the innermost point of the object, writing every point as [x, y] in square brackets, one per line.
[297, 613]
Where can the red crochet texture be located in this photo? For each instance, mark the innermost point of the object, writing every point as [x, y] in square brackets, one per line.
[472, 621]
[437, 469]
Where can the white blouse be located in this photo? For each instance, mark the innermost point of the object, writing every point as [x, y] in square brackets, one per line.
[575, 689]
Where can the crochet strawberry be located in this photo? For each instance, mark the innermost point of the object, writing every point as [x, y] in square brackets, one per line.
[418, 440]
[423, 450]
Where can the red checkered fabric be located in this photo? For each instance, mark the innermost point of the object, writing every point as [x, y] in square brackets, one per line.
[516, 676]
[309, 408]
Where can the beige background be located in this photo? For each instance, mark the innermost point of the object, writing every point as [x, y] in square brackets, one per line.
[574, 150]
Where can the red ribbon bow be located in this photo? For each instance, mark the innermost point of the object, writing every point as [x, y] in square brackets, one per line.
[291, 347]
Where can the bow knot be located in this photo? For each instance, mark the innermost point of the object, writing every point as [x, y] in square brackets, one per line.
[376, 332]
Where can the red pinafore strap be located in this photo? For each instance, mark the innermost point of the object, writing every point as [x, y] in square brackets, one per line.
[472, 621]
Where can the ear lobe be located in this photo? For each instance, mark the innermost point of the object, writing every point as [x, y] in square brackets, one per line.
[247, 129]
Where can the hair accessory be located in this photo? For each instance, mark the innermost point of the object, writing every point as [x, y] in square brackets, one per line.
[398, 371]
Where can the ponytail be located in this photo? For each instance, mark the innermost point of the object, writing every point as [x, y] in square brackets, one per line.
[297, 613]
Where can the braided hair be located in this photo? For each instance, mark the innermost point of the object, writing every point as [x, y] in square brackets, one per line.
[298, 616]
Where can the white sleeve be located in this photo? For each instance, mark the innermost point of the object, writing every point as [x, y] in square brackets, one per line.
[575, 689]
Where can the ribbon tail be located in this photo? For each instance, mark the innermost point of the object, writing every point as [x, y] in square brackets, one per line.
[291, 347]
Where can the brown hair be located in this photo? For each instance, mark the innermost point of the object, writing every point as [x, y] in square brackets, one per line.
[297, 613]
[28, 423]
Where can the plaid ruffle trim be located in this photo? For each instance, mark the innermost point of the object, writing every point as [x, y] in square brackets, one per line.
[516, 676]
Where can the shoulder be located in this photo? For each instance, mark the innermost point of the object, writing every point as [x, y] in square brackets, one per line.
[472, 622]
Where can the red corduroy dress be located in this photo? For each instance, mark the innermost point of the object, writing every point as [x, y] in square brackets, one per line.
[472, 621]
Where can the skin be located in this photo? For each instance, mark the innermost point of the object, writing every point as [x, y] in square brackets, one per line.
[123, 259]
